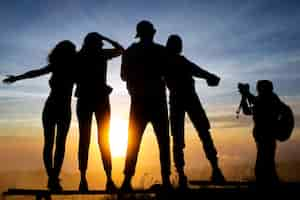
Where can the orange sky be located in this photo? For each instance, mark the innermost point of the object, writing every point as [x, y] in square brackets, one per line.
[21, 143]
[235, 146]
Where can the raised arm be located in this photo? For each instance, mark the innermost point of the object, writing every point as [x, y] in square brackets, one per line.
[116, 51]
[29, 74]
[124, 66]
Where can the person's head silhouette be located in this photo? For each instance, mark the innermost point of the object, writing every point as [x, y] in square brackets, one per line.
[93, 40]
[264, 87]
[174, 44]
[63, 51]
[145, 30]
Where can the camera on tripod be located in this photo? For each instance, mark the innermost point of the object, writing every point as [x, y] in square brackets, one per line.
[243, 88]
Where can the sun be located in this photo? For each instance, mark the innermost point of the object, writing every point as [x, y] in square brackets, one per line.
[118, 137]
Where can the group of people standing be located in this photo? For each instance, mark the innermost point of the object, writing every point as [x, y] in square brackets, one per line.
[147, 68]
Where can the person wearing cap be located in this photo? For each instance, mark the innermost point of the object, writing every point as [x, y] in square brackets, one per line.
[183, 99]
[143, 68]
[93, 99]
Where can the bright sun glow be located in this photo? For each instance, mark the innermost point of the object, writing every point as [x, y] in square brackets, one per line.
[118, 137]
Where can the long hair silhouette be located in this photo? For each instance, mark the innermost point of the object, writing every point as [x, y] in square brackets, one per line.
[56, 115]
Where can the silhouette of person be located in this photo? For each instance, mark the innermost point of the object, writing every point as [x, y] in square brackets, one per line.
[93, 98]
[142, 69]
[264, 108]
[56, 115]
[183, 99]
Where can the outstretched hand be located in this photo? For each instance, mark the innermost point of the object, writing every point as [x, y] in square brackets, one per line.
[213, 80]
[10, 79]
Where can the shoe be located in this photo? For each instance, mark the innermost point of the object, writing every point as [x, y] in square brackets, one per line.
[110, 186]
[167, 187]
[155, 187]
[182, 184]
[126, 187]
[83, 186]
[166, 184]
[217, 177]
[54, 185]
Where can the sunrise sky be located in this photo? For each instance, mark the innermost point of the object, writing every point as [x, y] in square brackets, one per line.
[241, 41]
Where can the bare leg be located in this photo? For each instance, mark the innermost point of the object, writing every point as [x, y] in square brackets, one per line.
[85, 121]
[62, 131]
[49, 133]
[103, 124]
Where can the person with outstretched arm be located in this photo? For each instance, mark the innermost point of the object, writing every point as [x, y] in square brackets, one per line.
[56, 115]
[184, 99]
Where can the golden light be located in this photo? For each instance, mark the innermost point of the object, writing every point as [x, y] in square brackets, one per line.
[118, 137]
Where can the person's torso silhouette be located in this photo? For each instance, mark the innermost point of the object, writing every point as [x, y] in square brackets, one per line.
[61, 82]
[92, 72]
[265, 112]
[144, 62]
[180, 77]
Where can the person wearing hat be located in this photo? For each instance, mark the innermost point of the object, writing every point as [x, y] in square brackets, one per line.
[93, 99]
[143, 68]
[183, 99]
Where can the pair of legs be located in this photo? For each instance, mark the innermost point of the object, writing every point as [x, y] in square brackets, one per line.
[85, 110]
[141, 112]
[56, 119]
[265, 168]
[190, 104]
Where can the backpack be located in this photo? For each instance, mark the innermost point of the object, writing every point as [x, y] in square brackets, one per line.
[285, 123]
